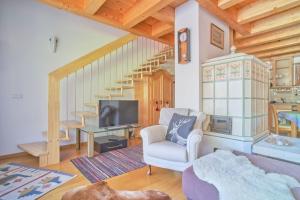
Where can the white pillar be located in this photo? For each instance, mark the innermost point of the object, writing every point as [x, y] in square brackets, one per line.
[188, 89]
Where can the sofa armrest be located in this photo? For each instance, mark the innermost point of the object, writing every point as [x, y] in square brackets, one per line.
[153, 134]
[193, 144]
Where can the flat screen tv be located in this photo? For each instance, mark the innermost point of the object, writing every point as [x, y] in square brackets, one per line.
[117, 113]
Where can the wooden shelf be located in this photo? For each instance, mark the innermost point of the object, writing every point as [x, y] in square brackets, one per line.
[36, 149]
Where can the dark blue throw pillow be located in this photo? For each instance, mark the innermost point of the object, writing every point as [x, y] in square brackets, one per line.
[179, 128]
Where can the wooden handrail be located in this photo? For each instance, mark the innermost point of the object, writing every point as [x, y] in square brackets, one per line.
[54, 92]
[77, 64]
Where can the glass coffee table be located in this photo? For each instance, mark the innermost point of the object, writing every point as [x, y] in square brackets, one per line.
[92, 130]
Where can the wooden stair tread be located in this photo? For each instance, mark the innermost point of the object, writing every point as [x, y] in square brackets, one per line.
[91, 104]
[124, 87]
[128, 81]
[35, 148]
[85, 114]
[102, 96]
[62, 135]
[66, 124]
[145, 69]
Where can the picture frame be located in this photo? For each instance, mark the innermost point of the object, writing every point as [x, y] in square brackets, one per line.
[216, 36]
[184, 52]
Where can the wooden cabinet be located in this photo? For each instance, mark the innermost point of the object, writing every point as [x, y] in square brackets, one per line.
[297, 73]
[153, 93]
[282, 72]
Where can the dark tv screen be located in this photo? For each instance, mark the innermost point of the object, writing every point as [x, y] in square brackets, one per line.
[117, 112]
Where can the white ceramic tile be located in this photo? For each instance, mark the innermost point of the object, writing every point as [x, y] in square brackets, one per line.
[208, 73]
[208, 106]
[253, 89]
[237, 126]
[235, 70]
[248, 110]
[259, 125]
[248, 88]
[235, 107]
[247, 127]
[253, 126]
[221, 107]
[266, 107]
[221, 72]
[253, 107]
[259, 107]
[266, 123]
[221, 89]
[247, 69]
[235, 88]
[208, 90]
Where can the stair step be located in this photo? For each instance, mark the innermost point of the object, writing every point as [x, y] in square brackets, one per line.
[85, 114]
[109, 96]
[135, 74]
[91, 104]
[124, 87]
[68, 124]
[102, 96]
[62, 135]
[145, 69]
[35, 148]
[128, 81]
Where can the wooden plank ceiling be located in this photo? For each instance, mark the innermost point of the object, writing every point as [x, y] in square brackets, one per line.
[151, 18]
[265, 28]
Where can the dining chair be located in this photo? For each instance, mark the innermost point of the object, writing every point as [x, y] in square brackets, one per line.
[280, 128]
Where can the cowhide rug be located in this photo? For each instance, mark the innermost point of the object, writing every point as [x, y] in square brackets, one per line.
[101, 191]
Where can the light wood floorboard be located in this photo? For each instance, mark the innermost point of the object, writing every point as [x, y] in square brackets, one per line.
[163, 180]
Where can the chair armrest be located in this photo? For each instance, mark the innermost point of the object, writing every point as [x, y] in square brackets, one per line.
[153, 134]
[193, 144]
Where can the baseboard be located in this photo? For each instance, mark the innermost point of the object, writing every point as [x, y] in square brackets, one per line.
[8, 156]
[64, 147]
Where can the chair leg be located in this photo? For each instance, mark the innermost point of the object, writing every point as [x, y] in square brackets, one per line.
[149, 173]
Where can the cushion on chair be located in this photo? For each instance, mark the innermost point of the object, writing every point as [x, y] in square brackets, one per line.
[167, 150]
[167, 113]
[179, 128]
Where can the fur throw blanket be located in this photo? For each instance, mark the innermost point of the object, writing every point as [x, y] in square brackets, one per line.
[101, 191]
[236, 178]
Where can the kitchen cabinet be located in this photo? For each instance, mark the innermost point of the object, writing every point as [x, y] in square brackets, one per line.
[282, 71]
[297, 73]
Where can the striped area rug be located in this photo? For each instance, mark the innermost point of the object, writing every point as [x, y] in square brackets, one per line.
[109, 164]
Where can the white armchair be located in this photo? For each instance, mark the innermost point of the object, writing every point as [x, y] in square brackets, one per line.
[162, 153]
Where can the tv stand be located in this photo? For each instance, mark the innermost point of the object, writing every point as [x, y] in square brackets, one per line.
[92, 130]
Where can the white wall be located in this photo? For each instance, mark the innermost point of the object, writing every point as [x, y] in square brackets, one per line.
[188, 76]
[25, 61]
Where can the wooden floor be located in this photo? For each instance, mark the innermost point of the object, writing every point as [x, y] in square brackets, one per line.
[164, 180]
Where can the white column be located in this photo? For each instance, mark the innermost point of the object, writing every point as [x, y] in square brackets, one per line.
[188, 89]
[187, 76]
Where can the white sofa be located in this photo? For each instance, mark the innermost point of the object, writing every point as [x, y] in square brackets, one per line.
[162, 153]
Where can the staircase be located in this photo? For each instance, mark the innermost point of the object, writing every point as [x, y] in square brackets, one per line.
[75, 89]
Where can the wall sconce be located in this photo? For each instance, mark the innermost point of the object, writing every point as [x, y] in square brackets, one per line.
[53, 43]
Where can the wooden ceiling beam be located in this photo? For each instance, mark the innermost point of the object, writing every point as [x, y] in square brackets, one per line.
[142, 10]
[166, 14]
[160, 28]
[274, 22]
[272, 46]
[264, 8]
[98, 17]
[281, 34]
[224, 4]
[213, 8]
[277, 52]
[92, 6]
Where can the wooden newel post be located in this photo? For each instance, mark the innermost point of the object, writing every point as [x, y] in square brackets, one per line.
[53, 120]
